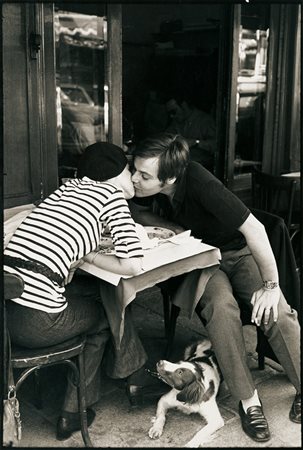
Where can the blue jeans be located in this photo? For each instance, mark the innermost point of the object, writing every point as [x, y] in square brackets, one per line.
[84, 315]
[226, 293]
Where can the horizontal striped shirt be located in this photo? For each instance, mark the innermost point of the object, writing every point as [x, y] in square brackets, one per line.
[63, 228]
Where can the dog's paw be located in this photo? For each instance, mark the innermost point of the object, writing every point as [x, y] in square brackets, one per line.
[155, 431]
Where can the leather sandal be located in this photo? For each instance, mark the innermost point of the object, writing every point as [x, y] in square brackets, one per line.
[254, 423]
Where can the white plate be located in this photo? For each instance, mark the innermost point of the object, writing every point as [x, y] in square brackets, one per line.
[159, 232]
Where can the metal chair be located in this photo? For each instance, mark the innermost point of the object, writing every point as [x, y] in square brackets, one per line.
[33, 359]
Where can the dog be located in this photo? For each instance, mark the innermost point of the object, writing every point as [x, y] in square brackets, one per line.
[195, 382]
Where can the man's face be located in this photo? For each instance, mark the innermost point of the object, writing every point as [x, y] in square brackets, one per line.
[174, 110]
[145, 177]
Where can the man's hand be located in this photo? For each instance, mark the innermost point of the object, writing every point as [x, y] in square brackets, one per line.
[264, 301]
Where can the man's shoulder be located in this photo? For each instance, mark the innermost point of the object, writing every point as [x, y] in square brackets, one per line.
[197, 173]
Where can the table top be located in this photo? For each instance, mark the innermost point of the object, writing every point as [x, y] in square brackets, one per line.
[166, 253]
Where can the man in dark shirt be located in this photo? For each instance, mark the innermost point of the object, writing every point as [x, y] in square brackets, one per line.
[196, 126]
[184, 195]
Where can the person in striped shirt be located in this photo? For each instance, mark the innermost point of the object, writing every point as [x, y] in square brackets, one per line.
[45, 250]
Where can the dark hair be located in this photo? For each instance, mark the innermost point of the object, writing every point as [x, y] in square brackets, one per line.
[172, 151]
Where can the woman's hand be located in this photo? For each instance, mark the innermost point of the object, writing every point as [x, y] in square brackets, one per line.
[264, 301]
[73, 269]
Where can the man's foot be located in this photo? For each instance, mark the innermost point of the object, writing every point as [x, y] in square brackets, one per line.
[295, 411]
[254, 423]
[68, 423]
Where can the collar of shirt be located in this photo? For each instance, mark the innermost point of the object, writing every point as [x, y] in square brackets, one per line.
[180, 193]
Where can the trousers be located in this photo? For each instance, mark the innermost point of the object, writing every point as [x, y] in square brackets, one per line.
[229, 290]
[84, 314]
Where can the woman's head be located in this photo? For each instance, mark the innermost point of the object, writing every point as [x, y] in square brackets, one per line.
[104, 161]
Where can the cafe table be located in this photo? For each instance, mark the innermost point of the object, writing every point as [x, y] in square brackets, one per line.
[182, 254]
[186, 255]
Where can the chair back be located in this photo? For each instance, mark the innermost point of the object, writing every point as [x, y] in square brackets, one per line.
[13, 286]
[274, 194]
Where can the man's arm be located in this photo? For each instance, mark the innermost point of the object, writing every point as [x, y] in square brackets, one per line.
[257, 240]
[144, 216]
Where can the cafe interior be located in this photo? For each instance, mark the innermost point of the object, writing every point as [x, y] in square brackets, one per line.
[75, 73]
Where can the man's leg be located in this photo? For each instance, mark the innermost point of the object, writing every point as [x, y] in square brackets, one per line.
[221, 314]
[220, 311]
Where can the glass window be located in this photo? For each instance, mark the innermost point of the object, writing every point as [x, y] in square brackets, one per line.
[251, 90]
[81, 86]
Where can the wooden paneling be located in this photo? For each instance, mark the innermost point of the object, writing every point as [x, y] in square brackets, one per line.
[17, 100]
[114, 73]
[48, 112]
[29, 104]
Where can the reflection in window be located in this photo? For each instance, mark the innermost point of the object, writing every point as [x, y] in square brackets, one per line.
[80, 47]
[253, 45]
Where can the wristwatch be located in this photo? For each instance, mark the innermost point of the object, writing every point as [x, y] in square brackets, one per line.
[269, 285]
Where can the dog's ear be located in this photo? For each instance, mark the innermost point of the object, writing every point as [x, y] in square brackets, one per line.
[192, 393]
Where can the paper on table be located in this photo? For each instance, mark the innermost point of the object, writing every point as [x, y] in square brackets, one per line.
[166, 253]
[169, 252]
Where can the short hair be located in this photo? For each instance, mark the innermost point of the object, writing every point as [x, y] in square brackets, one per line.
[172, 151]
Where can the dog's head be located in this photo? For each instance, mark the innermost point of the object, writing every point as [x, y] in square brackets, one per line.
[188, 378]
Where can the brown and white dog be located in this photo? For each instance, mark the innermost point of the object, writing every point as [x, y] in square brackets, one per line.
[195, 382]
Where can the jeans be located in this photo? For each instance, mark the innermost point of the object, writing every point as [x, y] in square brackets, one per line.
[227, 291]
[84, 315]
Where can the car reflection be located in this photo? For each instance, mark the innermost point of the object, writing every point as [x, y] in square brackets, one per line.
[82, 122]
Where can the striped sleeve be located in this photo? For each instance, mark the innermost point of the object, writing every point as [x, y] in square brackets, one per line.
[122, 227]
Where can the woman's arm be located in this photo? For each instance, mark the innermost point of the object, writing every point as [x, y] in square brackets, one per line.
[264, 300]
[127, 266]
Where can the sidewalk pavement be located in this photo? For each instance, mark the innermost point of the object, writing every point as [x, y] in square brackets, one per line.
[120, 426]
